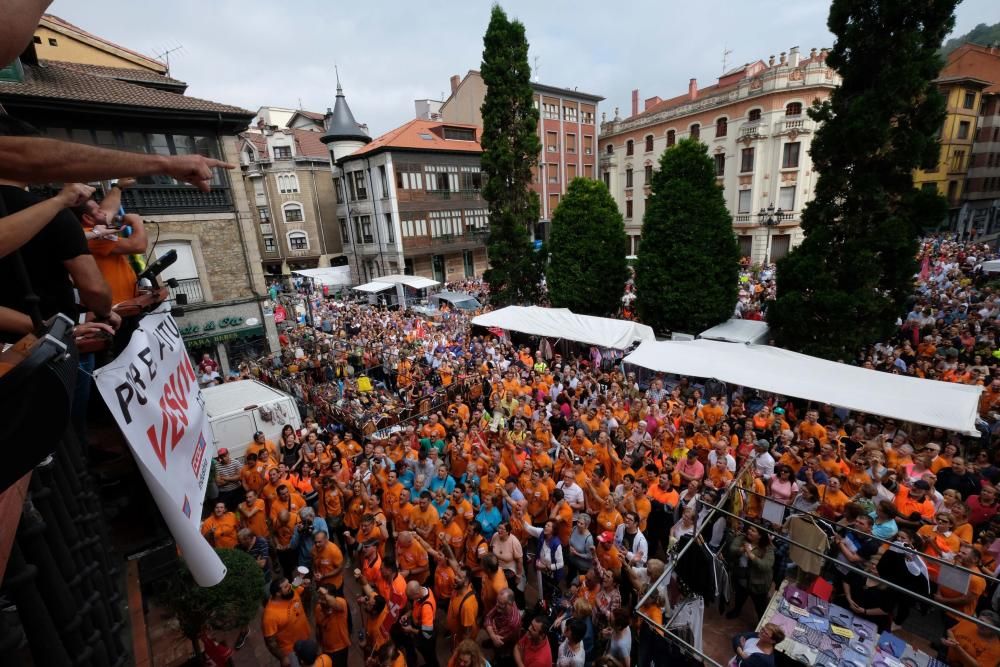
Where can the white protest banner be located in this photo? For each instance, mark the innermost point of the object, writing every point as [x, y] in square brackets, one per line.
[152, 391]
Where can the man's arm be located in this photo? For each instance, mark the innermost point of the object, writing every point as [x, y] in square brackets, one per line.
[38, 160]
[136, 243]
[94, 290]
[19, 228]
[20, 18]
[112, 201]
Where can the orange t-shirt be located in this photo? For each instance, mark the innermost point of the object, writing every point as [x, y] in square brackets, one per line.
[463, 610]
[411, 558]
[258, 522]
[331, 627]
[225, 528]
[325, 561]
[115, 268]
[286, 621]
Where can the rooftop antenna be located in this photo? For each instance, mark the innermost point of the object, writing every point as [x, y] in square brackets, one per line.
[300, 104]
[165, 55]
[725, 59]
[534, 68]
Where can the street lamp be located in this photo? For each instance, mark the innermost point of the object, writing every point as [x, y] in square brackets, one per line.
[769, 218]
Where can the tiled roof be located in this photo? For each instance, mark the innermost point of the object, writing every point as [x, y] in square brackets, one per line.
[67, 26]
[139, 76]
[975, 62]
[681, 100]
[311, 115]
[58, 82]
[307, 143]
[424, 135]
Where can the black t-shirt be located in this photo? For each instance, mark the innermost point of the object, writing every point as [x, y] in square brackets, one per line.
[60, 240]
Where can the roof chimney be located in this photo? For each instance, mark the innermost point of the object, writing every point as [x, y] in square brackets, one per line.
[635, 102]
[793, 56]
[693, 89]
[455, 81]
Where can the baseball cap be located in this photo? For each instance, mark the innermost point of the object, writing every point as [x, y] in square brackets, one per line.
[223, 451]
[606, 537]
[921, 484]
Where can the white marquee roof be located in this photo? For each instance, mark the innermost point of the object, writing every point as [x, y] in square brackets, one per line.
[563, 323]
[946, 405]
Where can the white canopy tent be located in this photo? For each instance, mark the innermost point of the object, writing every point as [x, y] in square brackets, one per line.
[738, 331]
[563, 323]
[992, 266]
[330, 275]
[946, 405]
[374, 286]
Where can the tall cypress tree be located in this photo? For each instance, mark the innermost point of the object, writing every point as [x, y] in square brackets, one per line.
[587, 267]
[510, 148]
[687, 268]
[847, 283]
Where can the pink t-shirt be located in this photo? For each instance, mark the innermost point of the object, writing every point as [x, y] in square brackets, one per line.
[783, 491]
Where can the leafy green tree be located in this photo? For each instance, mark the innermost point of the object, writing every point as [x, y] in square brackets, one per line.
[687, 267]
[230, 604]
[510, 149]
[844, 287]
[587, 266]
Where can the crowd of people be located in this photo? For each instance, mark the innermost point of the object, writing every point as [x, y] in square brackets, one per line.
[536, 506]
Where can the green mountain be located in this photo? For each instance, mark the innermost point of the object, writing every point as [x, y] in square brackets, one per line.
[982, 34]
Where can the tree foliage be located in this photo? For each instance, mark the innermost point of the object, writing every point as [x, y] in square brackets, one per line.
[230, 604]
[510, 148]
[847, 283]
[982, 34]
[587, 266]
[687, 267]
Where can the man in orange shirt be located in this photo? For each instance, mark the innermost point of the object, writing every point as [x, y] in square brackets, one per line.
[259, 443]
[915, 508]
[423, 609]
[286, 501]
[424, 519]
[811, 428]
[284, 621]
[327, 563]
[252, 474]
[414, 563]
[253, 515]
[111, 252]
[463, 610]
[332, 619]
[663, 499]
[220, 528]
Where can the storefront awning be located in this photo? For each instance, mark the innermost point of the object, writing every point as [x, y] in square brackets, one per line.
[564, 323]
[374, 286]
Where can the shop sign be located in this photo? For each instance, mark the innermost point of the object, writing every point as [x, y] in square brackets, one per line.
[211, 326]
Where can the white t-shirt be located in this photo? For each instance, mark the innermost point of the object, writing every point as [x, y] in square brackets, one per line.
[572, 493]
[570, 657]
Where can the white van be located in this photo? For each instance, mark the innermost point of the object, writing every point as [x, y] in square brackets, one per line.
[237, 410]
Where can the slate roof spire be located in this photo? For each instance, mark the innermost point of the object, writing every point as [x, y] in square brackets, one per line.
[342, 126]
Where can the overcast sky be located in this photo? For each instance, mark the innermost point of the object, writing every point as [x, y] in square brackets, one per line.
[253, 53]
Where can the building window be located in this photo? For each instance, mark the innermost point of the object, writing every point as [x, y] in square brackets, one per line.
[671, 138]
[264, 214]
[363, 229]
[695, 131]
[570, 114]
[293, 212]
[629, 147]
[270, 245]
[744, 202]
[970, 100]
[383, 178]
[337, 183]
[754, 115]
[628, 208]
[628, 178]
[610, 150]
[588, 144]
[607, 179]
[550, 111]
[37, 39]
[476, 218]
[415, 227]
[298, 241]
[287, 183]
[460, 133]
[952, 191]
[720, 164]
[790, 155]
[721, 127]
[746, 160]
[649, 143]
[345, 231]
[957, 160]
[963, 129]
[356, 183]
[570, 143]
[648, 175]
[786, 198]
[588, 171]
[793, 109]
[53, 42]
[184, 270]
[390, 229]
[446, 223]
[282, 152]
[552, 142]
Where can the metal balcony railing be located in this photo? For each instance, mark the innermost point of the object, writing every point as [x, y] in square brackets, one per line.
[148, 199]
[191, 287]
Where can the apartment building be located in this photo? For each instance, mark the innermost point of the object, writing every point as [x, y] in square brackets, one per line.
[567, 130]
[286, 173]
[93, 91]
[409, 201]
[753, 120]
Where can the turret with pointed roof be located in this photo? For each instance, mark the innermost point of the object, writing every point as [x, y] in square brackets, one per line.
[343, 133]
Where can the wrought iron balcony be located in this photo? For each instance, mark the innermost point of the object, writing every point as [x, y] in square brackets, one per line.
[191, 287]
[149, 199]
